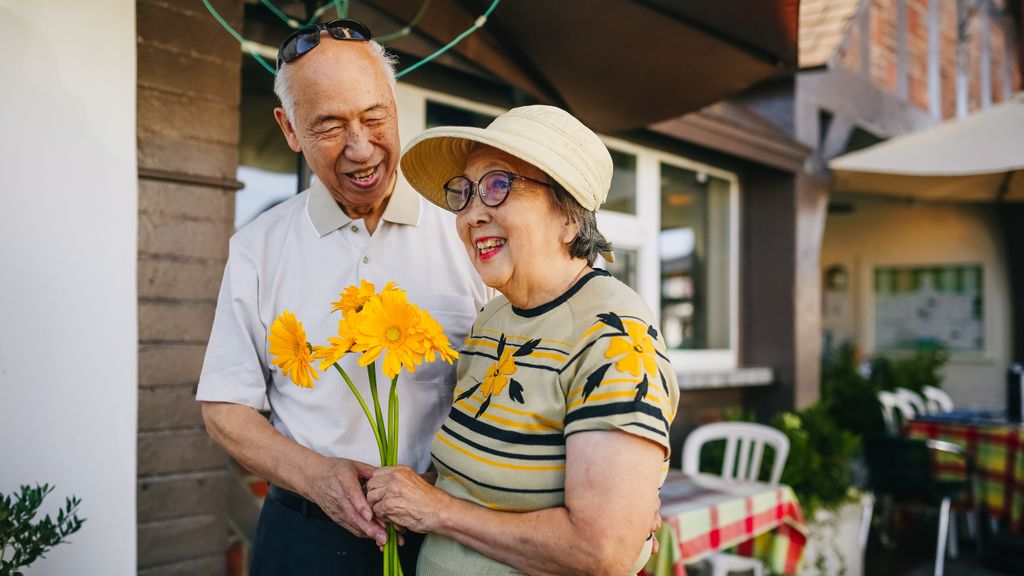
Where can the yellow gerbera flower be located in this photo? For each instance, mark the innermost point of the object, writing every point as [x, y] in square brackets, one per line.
[340, 345]
[390, 325]
[291, 351]
[499, 375]
[436, 339]
[353, 298]
[637, 348]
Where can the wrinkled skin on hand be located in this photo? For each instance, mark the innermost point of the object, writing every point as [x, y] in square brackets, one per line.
[400, 495]
[339, 492]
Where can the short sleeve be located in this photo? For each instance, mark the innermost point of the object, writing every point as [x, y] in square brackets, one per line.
[622, 380]
[233, 370]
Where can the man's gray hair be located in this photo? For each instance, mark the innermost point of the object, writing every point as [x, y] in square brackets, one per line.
[283, 89]
[589, 241]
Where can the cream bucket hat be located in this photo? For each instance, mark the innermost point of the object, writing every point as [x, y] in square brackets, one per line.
[545, 136]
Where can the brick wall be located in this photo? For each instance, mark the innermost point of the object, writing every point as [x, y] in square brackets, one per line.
[947, 57]
[188, 95]
[886, 70]
[883, 48]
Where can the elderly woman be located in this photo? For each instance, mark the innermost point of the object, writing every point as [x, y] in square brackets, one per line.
[556, 445]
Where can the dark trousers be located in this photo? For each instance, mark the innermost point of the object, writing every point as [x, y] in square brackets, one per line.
[295, 542]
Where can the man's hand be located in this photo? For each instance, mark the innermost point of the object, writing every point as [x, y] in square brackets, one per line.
[337, 489]
[333, 483]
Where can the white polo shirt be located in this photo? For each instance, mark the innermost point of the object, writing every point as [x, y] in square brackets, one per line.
[299, 256]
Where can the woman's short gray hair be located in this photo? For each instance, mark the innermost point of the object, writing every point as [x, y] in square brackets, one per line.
[283, 89]
[589, 241]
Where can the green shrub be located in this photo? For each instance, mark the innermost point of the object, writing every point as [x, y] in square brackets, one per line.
[820, 453]
[851, 399]
[27, 540]
[914, 372]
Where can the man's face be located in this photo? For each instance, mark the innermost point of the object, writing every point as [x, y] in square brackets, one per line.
[345, 123]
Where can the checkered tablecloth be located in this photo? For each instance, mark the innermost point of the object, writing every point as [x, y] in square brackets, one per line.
[998, 453]
[703, 514]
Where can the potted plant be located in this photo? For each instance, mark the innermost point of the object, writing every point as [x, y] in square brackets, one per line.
[819, 471]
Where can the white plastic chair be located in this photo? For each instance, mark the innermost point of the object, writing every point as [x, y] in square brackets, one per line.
[914, 399]
[895, 410]
[743, 439]
[938, 401]
[744, 452]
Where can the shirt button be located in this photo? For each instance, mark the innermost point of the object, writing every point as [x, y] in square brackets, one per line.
[355, 228]
[366, 259]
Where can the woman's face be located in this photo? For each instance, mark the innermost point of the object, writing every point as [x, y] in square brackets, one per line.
[521, 245]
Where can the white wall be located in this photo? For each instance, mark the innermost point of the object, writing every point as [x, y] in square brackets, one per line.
[68, 213]
[883, 232]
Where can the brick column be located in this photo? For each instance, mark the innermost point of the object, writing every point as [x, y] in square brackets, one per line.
[188, 96]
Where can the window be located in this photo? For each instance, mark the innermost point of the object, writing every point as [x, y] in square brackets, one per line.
[694, 253]
[622, 194]
[263, 190]
[674, 225]
[624, 267]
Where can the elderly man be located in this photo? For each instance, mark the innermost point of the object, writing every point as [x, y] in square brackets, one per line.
[359, 220]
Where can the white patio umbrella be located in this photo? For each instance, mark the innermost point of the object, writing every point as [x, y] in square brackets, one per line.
[979, 158]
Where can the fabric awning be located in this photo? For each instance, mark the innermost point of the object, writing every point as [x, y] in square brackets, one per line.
[979, 158]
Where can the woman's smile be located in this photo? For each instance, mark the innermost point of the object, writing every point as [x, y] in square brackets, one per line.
[488, 247]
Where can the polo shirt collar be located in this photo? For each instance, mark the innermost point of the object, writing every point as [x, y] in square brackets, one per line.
[326, 216]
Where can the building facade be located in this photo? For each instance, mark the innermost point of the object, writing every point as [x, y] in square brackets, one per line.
[899, 273]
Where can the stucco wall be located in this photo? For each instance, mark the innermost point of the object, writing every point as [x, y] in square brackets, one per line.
[68, 212]
[881, 232]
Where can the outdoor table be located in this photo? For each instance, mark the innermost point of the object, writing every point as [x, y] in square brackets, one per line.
[702, 514]
[996, 447]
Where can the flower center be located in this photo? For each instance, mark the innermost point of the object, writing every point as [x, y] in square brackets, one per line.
[393, 333]
[639, 348]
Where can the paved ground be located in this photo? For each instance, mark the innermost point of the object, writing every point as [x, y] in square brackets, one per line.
[914, 554]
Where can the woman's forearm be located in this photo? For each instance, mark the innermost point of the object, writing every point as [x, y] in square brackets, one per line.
[542, 542]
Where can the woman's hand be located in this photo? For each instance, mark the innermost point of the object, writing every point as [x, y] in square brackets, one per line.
[403, 497]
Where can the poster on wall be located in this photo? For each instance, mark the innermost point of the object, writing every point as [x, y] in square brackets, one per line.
[919, 306]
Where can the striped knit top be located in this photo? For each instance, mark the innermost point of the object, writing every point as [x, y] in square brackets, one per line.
[590, 360]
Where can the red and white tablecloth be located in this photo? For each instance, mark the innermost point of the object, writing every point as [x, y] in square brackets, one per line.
[703, 514]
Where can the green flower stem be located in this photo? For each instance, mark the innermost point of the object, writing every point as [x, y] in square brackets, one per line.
[371, 372]
[391, 548]
[369, 417]
[393, 422]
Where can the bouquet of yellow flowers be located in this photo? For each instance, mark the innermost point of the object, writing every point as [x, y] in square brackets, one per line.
[372, 323]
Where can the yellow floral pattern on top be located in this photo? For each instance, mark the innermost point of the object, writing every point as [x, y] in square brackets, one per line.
[499, 374]
[636, 348]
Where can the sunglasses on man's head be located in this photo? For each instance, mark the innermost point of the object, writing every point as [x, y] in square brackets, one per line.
[492, 188]
[305, 39]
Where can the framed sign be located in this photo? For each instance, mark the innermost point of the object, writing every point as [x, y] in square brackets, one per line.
[930, 305]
